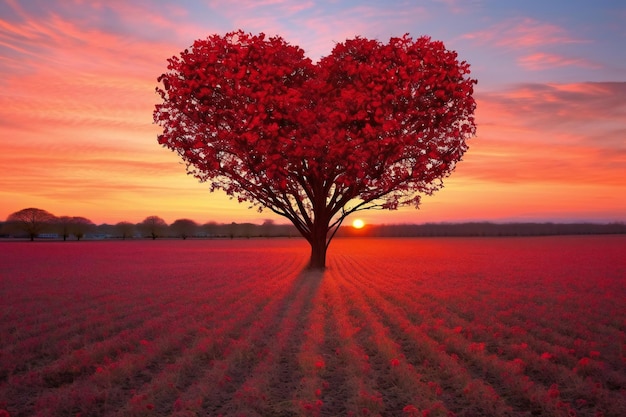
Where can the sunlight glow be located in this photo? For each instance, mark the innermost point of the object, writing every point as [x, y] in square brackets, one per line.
[358, 223]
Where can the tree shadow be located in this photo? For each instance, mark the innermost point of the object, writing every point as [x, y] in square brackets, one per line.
[271, 362]
[300, 296]
[293, 318]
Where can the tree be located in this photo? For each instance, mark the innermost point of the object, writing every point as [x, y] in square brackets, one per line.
[153, 226]
[211, 229]
[62, 226]
[79, 226]
[184, 228]
[125, 229]
[268, 228]
[371, 126]
[32, 221]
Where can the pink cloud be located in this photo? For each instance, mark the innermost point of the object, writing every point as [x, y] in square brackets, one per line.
[559, 106]
[521, 33]
[533, 162]
[314, 28]
[457, 6]
[534, 43]
[540, 61]
[285, 6]
[558, 133]
[76, 102]
[167, 21]
[64, 74]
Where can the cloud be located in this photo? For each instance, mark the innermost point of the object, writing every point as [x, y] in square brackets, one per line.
[534, 45]
[460, 6]
[541, 61]
[69, 83]
[528, 163]
[316, 27]
[563, 133]
[523, 33]
[576, 107]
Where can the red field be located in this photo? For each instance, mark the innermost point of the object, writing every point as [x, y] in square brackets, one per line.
[397, 327]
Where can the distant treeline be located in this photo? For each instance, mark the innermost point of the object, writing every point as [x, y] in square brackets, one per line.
[35, 223]
[39, 224]
[484, 229]
[187, 229]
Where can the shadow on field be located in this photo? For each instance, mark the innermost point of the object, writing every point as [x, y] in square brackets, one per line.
[265, 376]
[289, 331]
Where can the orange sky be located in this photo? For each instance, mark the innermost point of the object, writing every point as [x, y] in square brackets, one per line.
[77, 95]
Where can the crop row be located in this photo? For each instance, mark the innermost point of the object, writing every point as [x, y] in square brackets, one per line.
[413, 327]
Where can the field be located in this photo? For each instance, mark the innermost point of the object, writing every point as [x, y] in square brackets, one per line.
[393, 327]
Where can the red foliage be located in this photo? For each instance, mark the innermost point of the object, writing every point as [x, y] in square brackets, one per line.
[372, 125]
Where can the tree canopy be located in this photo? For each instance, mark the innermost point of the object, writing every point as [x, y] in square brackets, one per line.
[32, 221]
[184, 228]
[370, 126]
[153, 227]
[77, 226]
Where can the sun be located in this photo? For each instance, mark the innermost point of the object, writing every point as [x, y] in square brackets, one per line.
[358, 223]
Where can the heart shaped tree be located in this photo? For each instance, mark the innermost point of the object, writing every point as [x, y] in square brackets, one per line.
[371, 126]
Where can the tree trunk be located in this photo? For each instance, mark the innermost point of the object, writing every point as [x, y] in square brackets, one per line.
[318, 245]
[318, 253]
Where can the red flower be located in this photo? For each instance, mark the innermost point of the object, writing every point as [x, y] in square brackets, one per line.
[553, 391]
[178, 405]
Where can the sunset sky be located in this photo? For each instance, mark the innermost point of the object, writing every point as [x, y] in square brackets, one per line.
[77, 82]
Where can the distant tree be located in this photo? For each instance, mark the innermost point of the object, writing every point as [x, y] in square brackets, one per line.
[5, 229]
[125, 229]
[62, 226]
[268, 228]
[32, 221]
[246, 230]
[370, 126]
[211, 229]
[79, 226]
[232, 230]
[105, 230]
[153, 227]
[184, 228]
